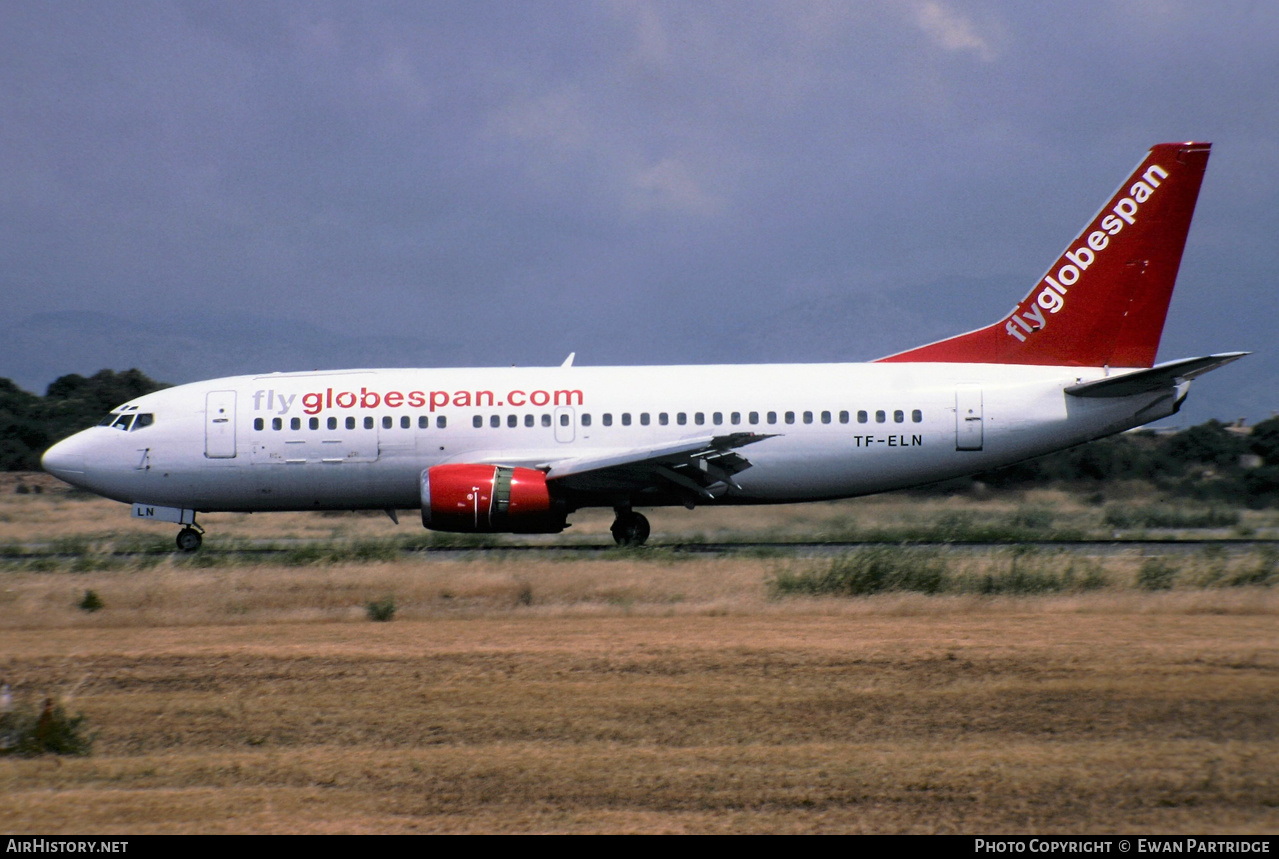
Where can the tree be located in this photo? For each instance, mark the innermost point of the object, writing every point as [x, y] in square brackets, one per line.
[30, 424]
[1264, 441]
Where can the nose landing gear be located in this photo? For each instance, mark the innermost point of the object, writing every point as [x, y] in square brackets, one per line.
[629, 528]
[190, 538]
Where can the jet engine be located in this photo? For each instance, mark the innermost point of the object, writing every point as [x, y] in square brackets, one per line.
[489, 499]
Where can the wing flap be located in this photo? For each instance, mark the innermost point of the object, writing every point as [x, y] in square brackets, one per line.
[696, 465]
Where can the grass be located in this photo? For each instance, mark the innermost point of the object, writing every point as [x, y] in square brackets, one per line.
[968, 689]
[929, 571]
[1176, 517]
[946, 715]
[58, 513]
[1021, 571]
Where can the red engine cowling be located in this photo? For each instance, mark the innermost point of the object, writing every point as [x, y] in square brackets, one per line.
[489, 499]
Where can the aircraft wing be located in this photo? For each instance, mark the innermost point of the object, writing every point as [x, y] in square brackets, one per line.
[701, 467]
[1156, 378]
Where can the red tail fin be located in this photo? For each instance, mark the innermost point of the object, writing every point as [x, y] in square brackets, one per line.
[1104, 301]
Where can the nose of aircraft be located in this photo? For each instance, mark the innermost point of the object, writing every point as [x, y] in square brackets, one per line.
[65, 459]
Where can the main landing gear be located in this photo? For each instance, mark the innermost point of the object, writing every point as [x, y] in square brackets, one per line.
[629, 528]
[190, 538]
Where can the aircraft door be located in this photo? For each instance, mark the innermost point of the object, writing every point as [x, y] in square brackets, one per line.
[219, 425]
[565, 424]
[968, 417]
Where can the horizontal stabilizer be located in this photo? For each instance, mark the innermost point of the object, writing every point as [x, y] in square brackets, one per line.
[1154, 379]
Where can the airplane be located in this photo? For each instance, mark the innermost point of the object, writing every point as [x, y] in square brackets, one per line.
[519, 449]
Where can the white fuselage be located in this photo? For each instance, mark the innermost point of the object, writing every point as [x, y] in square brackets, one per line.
[361, 438]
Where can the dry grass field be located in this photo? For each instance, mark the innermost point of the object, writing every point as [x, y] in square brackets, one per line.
[630, 691]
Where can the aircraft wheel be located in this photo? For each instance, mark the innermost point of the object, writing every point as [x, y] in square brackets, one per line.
[630, 529]
[189, 540]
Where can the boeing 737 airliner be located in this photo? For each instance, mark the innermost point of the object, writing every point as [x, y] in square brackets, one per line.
[519, 449]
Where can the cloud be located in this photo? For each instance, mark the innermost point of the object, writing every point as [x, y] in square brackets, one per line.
[952, 31]
[671, 185]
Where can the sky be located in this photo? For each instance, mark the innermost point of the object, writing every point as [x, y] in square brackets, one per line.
[639, 182]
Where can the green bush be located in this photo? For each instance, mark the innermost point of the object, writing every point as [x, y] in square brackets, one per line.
[91, 602]
[1156, 574]
[26, 733]
[1266, 572]
[1170, 517]
[381, 610]
[869, 571]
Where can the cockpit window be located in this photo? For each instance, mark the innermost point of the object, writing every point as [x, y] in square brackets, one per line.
[126, 419]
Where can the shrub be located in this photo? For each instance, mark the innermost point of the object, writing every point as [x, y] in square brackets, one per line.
[381, 610]
[1265, 573]
[91, 602]
[869, 571]
[525, 595]
[1170, 517]
[1156, 575]
[24, 733]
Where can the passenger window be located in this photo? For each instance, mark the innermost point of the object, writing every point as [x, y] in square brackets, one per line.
[717, 418]
[899, 416]
[350, 423]
[406, 422]
[917, 416]
[753, 417]
[277, 424]
[495, 421]
[825, 417]
[681, 418]
[861, 417]
[333, 423]
[258, 423]
[564, 419]
[790, 417]
[423, 422]
[586, 420]
[735, 418]
[608, 419]
[843, 417]
[441, 422]
[662, 418]
[699, 418]
[387, 421]
[626, 419]
[808, 417]
[880, 416]
[644, 419]
[528, 420]
[477, 421]
[512, 420]
[546, 420]
[314, 423]
[368, 422]
[295, 424]
[772, 417]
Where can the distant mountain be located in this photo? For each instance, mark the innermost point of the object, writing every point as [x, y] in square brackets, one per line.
[846, 326]
[39, 349]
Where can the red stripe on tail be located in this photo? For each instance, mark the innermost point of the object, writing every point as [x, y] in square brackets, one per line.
[1104, 301]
